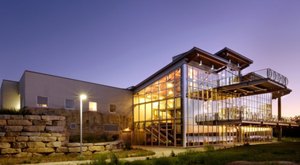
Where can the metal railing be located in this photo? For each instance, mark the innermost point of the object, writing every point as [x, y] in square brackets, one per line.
[271, 74]
[233, 116]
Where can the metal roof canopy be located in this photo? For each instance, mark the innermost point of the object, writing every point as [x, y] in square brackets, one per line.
[234, 57]
[255, 87]
[206, 58]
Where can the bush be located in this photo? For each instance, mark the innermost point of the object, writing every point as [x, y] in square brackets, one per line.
[127, 146]
[115, 137]
[172, 154]
[162, 161]
[23, 111]
[209, 148]
[100, 160]
[114, 160]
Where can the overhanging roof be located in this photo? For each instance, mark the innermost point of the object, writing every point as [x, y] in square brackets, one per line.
[194, 54]
[234, 57]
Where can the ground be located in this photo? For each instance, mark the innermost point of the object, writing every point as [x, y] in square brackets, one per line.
[287, 152]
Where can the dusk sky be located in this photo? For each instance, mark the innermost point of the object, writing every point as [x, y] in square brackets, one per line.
[120, 43]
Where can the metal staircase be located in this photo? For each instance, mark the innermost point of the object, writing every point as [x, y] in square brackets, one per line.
[162, 134]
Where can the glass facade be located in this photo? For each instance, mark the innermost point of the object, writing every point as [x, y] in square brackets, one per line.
[157, 112]
[210, 116]
[209, 111]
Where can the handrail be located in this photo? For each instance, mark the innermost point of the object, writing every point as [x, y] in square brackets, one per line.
[273, 75]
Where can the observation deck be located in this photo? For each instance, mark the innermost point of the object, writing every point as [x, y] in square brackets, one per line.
[259, 82]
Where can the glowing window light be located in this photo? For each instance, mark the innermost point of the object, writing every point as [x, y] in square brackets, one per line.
[92, 106]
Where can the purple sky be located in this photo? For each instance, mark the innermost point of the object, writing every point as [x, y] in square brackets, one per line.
[120, 43]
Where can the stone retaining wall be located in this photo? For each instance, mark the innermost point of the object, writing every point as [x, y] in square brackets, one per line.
[36, 135]
[93, 148]
[29, 135]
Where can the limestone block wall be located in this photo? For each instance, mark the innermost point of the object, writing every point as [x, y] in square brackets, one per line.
[93, 148]
[37, 135]
[30, 135]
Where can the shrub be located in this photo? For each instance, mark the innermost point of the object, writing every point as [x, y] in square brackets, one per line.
[162, 161]
[209, 148]
[15, 112]
[127, 146]
[115, 137]
[114, 160]
[172, 154]
[100, 160]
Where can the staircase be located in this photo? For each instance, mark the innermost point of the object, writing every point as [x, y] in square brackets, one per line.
[162, 134]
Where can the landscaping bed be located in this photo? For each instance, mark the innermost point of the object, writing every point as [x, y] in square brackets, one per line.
[73, 157]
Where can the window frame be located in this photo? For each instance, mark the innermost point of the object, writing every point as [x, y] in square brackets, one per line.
[110, 106]
[66, 104]
[40, 105]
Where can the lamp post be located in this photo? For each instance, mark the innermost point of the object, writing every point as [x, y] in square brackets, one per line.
[82, 97]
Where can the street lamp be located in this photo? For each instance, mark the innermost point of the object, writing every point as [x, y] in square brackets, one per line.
[82, 97]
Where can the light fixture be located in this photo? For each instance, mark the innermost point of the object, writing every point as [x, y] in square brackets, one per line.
[200, 63]
[82, 97]
[127, 129]
[212, 67]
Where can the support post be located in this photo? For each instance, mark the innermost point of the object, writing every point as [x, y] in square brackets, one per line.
[279, 118]
[184, 102]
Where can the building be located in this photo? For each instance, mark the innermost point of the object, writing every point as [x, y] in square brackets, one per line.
[39, 90]
[196, 99]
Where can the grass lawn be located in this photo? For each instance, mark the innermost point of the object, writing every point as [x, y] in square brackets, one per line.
[73, 157]
[284, 151]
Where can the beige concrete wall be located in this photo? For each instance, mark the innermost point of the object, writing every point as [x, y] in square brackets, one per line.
[58, 89]
[10, 98]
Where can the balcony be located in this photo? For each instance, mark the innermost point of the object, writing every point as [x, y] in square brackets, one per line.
[241, 118]
[266, 74]
[259, 82]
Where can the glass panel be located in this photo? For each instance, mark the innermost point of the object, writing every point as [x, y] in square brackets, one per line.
[92, 106]
[142, 112]
[155, 107]
[148, 111]
[136, 113]
[170, 104]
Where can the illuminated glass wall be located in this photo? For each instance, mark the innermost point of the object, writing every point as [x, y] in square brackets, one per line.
[209, 116]
[207, 109]
[157, 112]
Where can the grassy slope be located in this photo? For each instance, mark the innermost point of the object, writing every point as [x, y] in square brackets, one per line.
[287, 151]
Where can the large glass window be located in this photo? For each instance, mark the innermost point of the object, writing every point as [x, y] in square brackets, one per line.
[157, 111]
